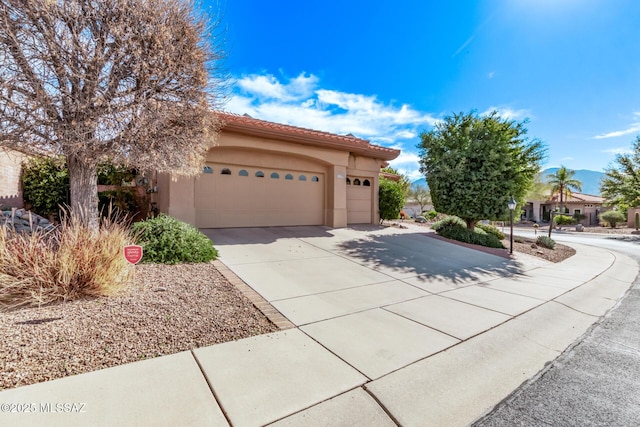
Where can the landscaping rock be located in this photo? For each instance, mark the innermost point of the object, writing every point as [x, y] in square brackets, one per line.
[23, 221]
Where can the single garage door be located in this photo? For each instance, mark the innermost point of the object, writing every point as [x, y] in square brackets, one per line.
[358, 200]
[239, 196]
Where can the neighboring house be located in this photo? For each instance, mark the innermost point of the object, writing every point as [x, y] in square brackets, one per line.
[269, 174]
[10, 171]
[576, 203]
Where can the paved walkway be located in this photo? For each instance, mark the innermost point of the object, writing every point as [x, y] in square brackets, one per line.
[392, 328]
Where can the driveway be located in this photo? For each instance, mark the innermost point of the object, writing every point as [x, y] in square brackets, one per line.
[434, 333]
[379, 298]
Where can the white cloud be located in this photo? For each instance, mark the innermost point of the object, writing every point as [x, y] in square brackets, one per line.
[633, 128]
[491, 75]
[567, 159]
[618, 150]
[508, 113]
[301, 102]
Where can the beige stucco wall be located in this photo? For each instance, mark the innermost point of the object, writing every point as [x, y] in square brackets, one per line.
[177, 197]
[10, 171]
[631, 217]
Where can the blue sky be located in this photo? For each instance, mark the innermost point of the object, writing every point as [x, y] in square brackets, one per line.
[385, 71]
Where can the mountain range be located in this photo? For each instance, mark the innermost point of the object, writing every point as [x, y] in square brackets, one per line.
[590, 180]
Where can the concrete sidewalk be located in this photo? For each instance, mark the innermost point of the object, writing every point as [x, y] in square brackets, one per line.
[393, 328]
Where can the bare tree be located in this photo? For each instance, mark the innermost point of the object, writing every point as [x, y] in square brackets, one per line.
[121, 81]
[420, 194]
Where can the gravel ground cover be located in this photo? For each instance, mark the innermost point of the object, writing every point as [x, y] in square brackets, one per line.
[168, 309]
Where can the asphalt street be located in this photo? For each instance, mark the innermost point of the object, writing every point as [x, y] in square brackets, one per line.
[596, 382]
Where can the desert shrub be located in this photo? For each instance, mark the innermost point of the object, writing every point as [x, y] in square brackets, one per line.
[166, 240]
[564, 220]
[546, 242]
[612, 218]
[390, 199]
[490, 229]
[67, 263]
[431, 215]
[45, 185]
[448, 222]
[463, 234]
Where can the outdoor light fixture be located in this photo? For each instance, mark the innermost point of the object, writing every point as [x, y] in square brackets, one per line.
[512, 205]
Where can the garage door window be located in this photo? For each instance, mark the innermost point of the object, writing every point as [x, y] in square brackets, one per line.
[243, 172]
[366, 183]
[315, 179]
[356, 181]
[302, 178]
[288, 177]
[348, 181]
[207, 169]
[225, 171]
[260, 174]
[275, 175]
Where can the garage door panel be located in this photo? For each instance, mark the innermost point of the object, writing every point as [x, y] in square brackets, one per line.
[250, 201]
[359, 204]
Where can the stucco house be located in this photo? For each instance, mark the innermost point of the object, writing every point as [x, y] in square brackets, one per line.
[262, 173]
[577, 203]
[633, 217]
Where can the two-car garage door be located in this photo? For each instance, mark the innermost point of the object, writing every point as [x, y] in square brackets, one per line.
[240, 196]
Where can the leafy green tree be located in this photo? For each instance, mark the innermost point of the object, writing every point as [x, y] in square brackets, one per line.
[474, 164]
[404, 179]
[420, 194]
[562, 182]
[390, 199]
[539, 190]
[620, 186]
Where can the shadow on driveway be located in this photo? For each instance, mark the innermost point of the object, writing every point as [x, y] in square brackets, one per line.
[414, 254]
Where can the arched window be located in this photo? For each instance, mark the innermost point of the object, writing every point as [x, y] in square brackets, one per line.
[302, 178]
[225, 171]
[315, 179]
[366, 183]
[288, 177]
[356, 181]
[260, 174]
[207, 169]
[348, 181]
[243, 172]
[275, 175]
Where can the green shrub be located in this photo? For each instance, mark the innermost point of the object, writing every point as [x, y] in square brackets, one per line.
[109, 174]
[45, 185]
[546, 242]
[431, 215]
[463, 234]
[390, 199]
[166, 240]
[448, 222]
[490, 229]
[564, 220]
[612, 218]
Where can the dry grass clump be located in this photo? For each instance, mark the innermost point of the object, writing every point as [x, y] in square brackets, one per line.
[65, 264]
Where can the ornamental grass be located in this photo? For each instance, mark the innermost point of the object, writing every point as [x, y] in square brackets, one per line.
[64, 264]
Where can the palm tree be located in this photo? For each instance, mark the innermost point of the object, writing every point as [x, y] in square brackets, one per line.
[562, 181]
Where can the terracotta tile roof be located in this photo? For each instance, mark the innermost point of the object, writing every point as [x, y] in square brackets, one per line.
[577, 198]
[251, 126]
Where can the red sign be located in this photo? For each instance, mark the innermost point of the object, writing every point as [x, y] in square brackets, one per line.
[133, 253]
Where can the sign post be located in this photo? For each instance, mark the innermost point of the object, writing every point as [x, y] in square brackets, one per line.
[133, 255]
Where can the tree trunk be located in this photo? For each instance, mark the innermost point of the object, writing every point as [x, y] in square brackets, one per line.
[471, 223]
[83, 183]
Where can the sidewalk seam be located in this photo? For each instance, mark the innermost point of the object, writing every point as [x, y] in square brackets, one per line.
[384, 408]
[215, 397]
[265, 307]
